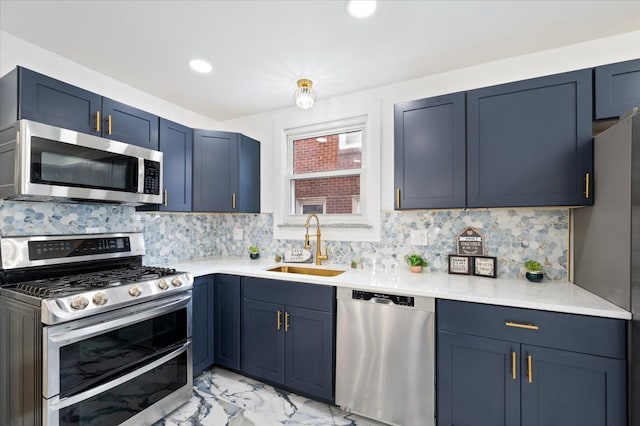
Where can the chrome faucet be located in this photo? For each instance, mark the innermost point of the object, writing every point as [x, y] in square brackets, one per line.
[319, 256]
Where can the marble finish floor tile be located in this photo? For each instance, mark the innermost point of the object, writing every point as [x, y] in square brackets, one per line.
[222, 398]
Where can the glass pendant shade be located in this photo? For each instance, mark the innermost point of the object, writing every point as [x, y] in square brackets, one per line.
[304, 96]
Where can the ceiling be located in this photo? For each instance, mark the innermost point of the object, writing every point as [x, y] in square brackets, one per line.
[260, 48]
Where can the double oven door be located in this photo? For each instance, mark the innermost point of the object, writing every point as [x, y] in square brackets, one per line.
[129, 367]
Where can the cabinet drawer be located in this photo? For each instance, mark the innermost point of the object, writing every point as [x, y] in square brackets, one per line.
[578, 333]
[310, 296]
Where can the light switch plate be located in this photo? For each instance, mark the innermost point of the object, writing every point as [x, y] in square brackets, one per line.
[237, 234]
[419, 237]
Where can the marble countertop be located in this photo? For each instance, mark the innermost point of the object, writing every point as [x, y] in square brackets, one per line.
[547, 295]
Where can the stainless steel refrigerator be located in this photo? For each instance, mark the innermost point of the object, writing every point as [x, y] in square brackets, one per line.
[607, 235]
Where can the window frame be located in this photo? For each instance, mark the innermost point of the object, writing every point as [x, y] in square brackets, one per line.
[342, 126]
[363, 226]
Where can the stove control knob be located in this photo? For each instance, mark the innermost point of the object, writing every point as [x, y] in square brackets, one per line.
[100, 298]
[176, 282]
[135, 291]
[79, 302]
[163, 284]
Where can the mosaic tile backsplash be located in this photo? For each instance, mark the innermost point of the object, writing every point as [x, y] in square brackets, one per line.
[512, 235]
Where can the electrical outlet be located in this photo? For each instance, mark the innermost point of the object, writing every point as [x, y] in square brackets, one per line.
[237, 234]
[419, 237]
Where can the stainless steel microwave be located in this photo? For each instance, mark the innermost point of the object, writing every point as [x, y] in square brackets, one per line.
[45, 163]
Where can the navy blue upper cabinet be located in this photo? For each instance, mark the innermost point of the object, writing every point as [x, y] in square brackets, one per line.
[430, 153]
[529, 143]
[176, 143]
[226, 172]
[288, 335]
[128, 124]
[617, 88]
[33, 96]
[227, 321]
[511, 366]
[202, 323]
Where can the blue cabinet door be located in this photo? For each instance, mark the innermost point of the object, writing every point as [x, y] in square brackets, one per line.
[176, 143]
[202, 323]
[263, 340]
[529, 143]
[572, 389]
[617, 88]
[130, 125]
[248, 198]
[215, 171]
[309, 359]
[50, 101]
[475, 381]
[227, 321]
[430, 164]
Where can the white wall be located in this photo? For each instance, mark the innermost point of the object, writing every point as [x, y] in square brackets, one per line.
[264, 126]
[15, 51]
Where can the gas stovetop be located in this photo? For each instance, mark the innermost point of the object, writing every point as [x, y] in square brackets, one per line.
[73, 284]
[71, 277]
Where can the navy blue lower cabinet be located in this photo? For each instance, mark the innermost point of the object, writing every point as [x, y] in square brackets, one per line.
[288, 335]
[309, 351]
[475, 384]
[572, 389]
[507, 366]
[227, 321]
[202, 323]
[263, 340]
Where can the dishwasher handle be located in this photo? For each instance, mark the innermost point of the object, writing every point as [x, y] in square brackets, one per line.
[380, 301]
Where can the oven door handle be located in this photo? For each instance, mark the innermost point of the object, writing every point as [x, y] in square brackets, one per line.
[56, 403]
[57, 336]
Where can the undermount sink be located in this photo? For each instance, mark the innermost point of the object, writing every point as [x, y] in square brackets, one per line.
[306, 271]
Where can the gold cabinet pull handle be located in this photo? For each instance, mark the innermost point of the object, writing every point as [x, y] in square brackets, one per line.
[109, 124]
[513, 365]
[397, 198]
[519, 325]
[97, 121]
[279, 319]
[233, 200]
[286, 321]
[586, 185]
[529, 369]
[166, 198]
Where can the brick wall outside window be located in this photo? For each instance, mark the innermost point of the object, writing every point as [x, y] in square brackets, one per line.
[313, 156]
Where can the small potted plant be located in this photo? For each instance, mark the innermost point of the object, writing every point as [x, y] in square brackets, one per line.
[254, 252]
[534, 271]
[416, 262]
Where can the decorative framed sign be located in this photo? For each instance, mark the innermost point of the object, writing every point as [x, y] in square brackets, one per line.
[460, 264]
[485, 266]
[470, 242]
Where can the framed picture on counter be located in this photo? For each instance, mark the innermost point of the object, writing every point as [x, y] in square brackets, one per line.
[485, 266]
[460, 264]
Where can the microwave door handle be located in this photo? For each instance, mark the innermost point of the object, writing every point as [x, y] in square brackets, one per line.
[141, 173]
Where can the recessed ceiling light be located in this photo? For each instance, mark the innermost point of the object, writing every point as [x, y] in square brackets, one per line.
[361, 8]
[200, 65]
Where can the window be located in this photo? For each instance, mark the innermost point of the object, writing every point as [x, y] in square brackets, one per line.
[331, 169]
[325, 172]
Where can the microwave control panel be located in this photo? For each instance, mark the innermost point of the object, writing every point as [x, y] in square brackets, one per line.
[151, 177]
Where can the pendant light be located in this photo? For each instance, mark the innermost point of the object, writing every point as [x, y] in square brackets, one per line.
[304, 96]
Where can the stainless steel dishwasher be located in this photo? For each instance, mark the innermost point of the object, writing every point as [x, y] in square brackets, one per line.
[385, 356]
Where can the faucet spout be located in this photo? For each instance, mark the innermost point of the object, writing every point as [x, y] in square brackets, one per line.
[319, 256]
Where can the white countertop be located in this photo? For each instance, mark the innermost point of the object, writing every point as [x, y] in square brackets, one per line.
[548, 295]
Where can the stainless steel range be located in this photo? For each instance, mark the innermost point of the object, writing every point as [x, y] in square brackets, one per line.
[89, 336]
